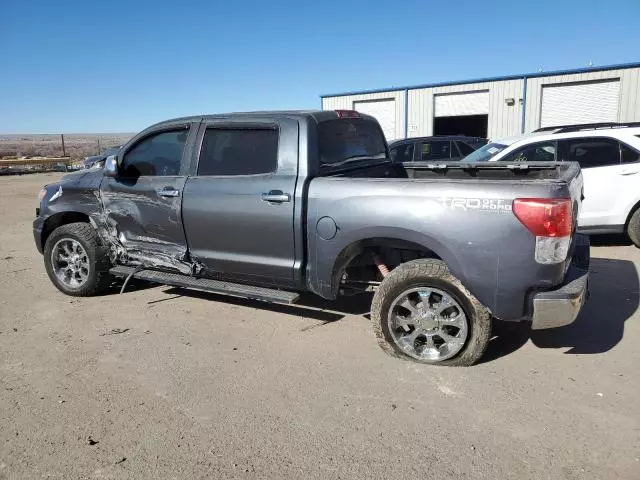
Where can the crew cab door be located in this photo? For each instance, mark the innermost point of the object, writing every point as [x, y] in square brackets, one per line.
[238, 209]
[142, 204]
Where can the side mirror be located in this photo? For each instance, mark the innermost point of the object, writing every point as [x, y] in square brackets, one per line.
[111, 166]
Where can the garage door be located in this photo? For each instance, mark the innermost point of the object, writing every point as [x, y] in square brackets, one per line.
[579, 103]
[458, 104]
[384, 111]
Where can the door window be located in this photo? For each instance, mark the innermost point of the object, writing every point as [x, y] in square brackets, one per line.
[534, 152]
[402, 153]
[465, 149]
[158, 154]
[628, 154]
[436, 150]
[592, 152]
[238, 151]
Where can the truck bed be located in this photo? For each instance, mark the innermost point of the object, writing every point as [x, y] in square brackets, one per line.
[461, 212]
[547, 171]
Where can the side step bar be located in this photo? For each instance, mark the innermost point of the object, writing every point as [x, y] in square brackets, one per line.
[208, 285]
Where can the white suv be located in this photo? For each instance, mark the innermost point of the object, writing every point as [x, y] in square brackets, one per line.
[609, 155]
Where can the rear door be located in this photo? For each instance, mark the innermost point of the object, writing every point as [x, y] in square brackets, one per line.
[599, 158]
[143, 203]
[238, 209]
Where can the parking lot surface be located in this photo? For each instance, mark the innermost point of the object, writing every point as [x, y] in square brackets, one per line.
[167, 383]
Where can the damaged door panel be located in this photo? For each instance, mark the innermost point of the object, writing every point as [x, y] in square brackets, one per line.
[142, 206]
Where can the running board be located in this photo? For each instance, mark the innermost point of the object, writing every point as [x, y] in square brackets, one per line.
[208, 285]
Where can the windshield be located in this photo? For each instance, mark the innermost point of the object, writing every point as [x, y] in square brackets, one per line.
[485, 153]
[349, 139]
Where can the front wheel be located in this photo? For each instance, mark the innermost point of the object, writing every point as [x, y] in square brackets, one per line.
[423, 313]
[75, 262]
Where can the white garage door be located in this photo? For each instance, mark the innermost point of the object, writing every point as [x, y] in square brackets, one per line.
[580, 103]
[458, 104]
[384, 111]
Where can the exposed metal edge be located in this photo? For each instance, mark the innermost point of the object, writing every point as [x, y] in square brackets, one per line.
[621, 66]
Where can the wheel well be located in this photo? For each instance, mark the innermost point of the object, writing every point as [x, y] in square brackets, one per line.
[59, 219]
[356, 261]
[631, 212]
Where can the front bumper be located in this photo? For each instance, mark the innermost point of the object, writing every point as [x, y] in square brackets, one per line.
[556, 308]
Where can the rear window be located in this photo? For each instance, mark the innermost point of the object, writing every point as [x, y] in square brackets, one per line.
[345, 140]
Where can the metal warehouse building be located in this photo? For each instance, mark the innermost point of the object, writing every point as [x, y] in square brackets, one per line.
[502, 106]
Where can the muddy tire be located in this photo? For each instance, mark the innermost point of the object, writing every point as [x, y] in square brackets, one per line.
[423, 313]
[633, 228]
[76, 262]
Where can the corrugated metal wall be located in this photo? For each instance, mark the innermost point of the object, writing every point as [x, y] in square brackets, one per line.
[504, 120]
[346, 103]
[629, 101]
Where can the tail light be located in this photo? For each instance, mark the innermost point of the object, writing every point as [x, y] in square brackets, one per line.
[347, 114]
[551, 221]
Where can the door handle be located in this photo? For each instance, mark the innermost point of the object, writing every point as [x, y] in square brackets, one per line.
[276, 196]
[629, 171]
[168, 192]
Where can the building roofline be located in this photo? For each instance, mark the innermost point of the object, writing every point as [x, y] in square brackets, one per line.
[620, 66]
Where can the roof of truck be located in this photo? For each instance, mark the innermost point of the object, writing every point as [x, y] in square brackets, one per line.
[317, 115]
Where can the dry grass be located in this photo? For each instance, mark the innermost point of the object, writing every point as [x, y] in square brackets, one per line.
[77, 145]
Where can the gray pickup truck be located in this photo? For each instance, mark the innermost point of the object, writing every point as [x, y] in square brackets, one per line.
[268, 205]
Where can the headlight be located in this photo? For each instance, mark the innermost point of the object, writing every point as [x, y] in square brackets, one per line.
[42, 194]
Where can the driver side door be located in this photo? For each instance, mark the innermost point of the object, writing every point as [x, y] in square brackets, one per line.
[143, 204]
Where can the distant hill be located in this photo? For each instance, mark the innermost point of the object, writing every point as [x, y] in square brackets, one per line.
[76, 145]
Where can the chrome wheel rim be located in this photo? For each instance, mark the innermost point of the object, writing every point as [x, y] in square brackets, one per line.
[428, 324]
[70, 263]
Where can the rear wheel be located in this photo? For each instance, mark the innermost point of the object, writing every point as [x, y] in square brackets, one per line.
[423, 313]
[75, 262]
[633, 228]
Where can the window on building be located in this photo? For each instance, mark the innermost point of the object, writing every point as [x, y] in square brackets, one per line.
[158, 154]
[402, 153]
[592, 152]
[436, 150]
[238, 151]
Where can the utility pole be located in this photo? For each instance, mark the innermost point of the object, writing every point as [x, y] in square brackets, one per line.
[64, 152]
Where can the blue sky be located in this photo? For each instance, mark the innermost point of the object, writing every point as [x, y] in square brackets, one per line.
[118, 66]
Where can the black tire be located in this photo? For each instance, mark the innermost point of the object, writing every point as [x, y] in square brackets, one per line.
[98, 279]
[633, 228]
[431, 273]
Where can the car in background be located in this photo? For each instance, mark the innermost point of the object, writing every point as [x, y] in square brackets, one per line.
[97, 161]
[609, 155]
[421, 149]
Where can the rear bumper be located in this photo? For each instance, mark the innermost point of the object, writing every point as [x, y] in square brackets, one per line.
[559, 307]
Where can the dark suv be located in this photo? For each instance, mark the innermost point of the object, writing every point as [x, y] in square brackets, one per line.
[434, 148]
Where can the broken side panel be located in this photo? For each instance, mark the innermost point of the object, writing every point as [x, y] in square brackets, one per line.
[142, 221]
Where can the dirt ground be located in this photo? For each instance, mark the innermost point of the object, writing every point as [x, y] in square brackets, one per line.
[203, 386]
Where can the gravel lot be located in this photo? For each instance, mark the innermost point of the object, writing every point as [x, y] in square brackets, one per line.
[203, 386]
